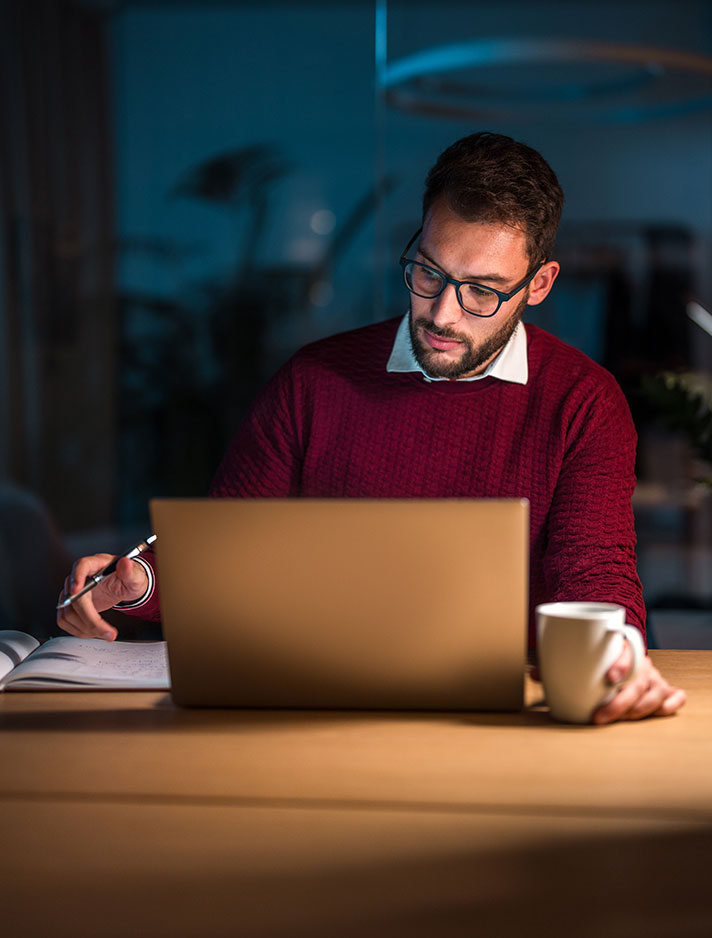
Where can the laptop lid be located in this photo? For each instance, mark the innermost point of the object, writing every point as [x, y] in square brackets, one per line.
[354, 603]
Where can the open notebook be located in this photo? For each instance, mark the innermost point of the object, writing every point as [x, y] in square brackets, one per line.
[375, 604]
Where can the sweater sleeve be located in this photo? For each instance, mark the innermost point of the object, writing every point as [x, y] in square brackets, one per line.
[264, 458]
[262, 461]
[590, 552]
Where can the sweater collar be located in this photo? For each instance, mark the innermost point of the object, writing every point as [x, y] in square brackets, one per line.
[509, 365]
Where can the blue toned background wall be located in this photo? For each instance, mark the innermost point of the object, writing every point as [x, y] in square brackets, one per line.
[262, 188]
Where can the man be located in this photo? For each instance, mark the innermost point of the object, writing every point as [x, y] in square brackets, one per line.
[457, 399]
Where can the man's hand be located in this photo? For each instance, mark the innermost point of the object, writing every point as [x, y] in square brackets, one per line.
[648, 694]
[82, 618]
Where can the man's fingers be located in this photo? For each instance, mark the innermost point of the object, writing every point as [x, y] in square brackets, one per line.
[672, 704]
[618, 707]
[626, 697]
[86, 567]
[82, 618]
[649, 701]
[620, 668]
[658, 700]
[68, 627]
[649, 694]
[129, 582]
[82, 629]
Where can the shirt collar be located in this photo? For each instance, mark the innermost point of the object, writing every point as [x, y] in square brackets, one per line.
[509, 365]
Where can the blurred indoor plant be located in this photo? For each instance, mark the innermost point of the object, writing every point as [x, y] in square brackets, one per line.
[682, 400]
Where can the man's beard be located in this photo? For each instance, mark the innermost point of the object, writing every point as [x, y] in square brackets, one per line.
[472, 357]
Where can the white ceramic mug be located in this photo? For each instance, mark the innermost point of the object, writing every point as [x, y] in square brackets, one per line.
[577, 644]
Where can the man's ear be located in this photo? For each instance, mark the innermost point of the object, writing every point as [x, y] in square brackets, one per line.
[543, 282]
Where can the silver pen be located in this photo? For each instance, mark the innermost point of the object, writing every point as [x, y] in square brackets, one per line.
[95, 580]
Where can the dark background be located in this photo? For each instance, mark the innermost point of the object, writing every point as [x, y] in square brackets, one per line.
[190, 191]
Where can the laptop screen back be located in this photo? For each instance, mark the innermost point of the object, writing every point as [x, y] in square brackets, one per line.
[366, 604]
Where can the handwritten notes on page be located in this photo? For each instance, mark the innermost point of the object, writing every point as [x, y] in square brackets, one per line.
[66, 662]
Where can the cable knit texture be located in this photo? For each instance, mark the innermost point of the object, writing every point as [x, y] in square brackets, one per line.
[333, 423]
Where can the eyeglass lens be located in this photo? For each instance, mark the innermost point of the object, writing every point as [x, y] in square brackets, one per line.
[427, 282]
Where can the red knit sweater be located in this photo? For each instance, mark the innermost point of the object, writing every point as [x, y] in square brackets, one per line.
[334, 423]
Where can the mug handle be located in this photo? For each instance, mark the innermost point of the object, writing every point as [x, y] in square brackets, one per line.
[638, 648]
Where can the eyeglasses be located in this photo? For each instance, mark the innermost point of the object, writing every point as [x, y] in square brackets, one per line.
[475, 299]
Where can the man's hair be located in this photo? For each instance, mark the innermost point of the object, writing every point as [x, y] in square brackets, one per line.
[488, 177]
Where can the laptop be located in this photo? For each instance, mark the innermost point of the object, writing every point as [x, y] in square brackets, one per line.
[401, 604]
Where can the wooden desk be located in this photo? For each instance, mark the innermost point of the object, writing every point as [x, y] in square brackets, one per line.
[122, 815]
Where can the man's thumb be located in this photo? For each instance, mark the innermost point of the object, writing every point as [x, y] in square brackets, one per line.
[130, 581]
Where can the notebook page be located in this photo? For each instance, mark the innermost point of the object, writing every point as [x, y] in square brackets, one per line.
[67, 661]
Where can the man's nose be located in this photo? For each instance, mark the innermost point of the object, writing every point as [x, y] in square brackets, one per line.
[446, 309]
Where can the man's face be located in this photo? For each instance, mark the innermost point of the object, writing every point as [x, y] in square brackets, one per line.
[447, 341]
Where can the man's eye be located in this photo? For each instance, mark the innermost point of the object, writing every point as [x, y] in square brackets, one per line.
[426, 279]
[478, 292]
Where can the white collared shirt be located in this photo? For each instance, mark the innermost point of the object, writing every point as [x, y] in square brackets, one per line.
[509, 365]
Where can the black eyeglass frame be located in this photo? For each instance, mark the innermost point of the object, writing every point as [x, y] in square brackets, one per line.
[502, 297]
